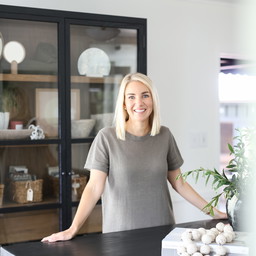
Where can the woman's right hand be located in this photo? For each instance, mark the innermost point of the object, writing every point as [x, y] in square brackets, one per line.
[60, 236]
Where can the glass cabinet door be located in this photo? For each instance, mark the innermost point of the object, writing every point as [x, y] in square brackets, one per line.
[29, 173]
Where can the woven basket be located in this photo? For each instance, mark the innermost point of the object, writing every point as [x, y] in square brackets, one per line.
[78, 185]
[19, 191]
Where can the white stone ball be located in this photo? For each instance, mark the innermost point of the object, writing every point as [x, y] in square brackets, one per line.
[212, 234]
[220, 226]
[206, 239]
[202, 231]
[228, 228]
[181, 249]
[191, 248]
[186, 236]
[221, 250]
[215, 230]
[197, 254]
[196, 235]
[205, 249]
[229, 236]
[220, 239]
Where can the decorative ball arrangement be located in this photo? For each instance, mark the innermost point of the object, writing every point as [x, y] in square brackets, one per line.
[221, 234]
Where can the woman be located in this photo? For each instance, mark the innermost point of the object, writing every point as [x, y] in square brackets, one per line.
[131, 163]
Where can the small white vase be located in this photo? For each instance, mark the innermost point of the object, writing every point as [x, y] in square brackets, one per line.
[4, 120]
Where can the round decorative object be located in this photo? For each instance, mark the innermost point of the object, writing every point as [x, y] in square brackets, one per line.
[221, 239]
[191, 248]
[206, 239]
[1, 44]
[14, 51]
[205, 249]
[94, 62]
[220, 226]
[228, 228]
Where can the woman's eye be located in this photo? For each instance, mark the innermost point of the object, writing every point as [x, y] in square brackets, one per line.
[145, 95]
[131, 97]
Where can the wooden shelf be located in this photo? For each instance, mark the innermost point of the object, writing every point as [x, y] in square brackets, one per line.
[53, 78]
[27, 78]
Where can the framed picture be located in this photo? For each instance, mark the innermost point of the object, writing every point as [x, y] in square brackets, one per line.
[47, 110]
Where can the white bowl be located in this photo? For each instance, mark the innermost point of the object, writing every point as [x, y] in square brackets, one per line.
[82, 128]
[103, 120]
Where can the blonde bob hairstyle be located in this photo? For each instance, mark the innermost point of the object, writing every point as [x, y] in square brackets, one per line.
[121, 115]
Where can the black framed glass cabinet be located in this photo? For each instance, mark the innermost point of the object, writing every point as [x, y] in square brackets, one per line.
[59, 76]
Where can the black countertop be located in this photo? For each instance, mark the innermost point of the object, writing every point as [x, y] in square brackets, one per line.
[137, 242]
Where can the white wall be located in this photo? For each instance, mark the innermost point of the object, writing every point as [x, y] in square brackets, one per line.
[185, 41]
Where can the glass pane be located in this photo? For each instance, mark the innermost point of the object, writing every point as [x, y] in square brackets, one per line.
[28, 226]
[28, 81]
[28, 175]
[100, 57]
[93, 224]
[80, 176]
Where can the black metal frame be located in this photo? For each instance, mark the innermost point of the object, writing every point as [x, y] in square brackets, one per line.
[64, 19]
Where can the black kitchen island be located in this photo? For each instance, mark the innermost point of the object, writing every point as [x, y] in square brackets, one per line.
[137, 242]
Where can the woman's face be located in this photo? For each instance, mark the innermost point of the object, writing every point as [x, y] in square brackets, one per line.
[138, 101]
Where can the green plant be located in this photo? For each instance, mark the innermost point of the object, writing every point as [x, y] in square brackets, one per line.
[9, 99]
[238, 175]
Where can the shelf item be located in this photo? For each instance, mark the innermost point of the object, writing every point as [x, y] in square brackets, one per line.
[82, 128]
[94, 62]
[103, 120]
[10, 134]
[47, 109]
[26, 191]
[14, 53]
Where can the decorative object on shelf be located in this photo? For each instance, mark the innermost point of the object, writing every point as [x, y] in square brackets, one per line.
[1, 44]
[102, 120]
[26, 191]
[37, 133]
[16, 125]
[82, 128]
[14, 52]
[24, 187]
[4, 120]
[237, 179]
[47, 109]
[94, 62]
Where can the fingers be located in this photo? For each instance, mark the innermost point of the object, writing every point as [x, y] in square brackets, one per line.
[52, 238]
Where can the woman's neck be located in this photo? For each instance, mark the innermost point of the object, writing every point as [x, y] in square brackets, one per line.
[137, 129]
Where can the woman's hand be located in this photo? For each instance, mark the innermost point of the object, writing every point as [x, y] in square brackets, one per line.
[219, 215]
[60, 236]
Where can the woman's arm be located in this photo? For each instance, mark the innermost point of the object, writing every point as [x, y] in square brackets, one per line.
[91, 194]
[188, 193]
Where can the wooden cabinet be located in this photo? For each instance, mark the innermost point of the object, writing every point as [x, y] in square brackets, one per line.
[70, 73]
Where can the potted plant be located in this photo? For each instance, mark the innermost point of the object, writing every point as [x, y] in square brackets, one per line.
[236, 180]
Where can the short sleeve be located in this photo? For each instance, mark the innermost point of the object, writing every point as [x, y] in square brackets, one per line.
[174, 157]
[98, 156]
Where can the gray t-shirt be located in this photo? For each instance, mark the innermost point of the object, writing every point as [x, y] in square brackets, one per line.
[136, 193]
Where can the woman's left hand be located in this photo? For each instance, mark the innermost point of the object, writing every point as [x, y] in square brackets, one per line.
[219, 215]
